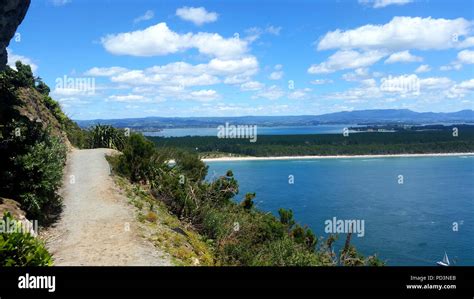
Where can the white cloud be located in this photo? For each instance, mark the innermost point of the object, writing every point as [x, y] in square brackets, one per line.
[71, 101]
[181, 73]
[196, 15]
[204, 95]
[251, 85]
[245, 65]
[105, 71]
[271, 93]
[347, 59]
[461, 90]
[13, 58]
[466, 57]
[255, 33]
[452, 66]
[172, 80]
[436, 83]
[321, 81]
[276, 75]
[129, 98]
[148, 15]
[357, 94]
[357, 75]
[403, 56]
[463, 57]
[399, 34]
[160, 40]
[384, 3]
[273, 30]
[299, 94]
[467, 42]
[423, 68]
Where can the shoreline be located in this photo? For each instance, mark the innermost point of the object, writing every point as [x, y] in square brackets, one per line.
[229, 159]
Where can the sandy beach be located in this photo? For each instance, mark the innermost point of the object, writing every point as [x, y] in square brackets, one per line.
[225, 159]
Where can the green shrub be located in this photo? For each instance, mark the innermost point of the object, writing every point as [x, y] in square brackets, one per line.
[21, 249]
[41, 171]
[107, 137]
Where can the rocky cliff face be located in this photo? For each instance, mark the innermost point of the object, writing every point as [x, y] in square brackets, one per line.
[12, 13]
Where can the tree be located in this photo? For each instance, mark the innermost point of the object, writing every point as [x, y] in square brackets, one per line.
[248, 203]
[41, 87]
[286, 218]
[24, 76]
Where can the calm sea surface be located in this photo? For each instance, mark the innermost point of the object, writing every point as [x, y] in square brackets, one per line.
[405, 224]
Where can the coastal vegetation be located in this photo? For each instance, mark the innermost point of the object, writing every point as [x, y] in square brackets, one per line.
[440, 140]
[32, 156]
[33, 148]
[238, 233]
[35, 134]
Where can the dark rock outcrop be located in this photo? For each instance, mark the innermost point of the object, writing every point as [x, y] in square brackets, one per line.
[12, 13]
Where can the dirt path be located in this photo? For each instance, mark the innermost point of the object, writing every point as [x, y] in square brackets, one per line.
[97, 226]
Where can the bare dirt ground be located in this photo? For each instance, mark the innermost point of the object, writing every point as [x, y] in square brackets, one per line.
[97, 225]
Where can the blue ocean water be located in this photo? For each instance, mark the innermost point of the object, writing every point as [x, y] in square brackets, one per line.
[280, 130]
[405, 224]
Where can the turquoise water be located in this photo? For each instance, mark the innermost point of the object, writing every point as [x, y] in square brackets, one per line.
[405, 224]
[281, 130]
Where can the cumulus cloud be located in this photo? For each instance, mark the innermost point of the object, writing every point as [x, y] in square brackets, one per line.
[466, 57]
[196, 15]
[160, 40]
[463, 57]
[461, 90]
[403, 56]
[204, 95]
[277, 74]
[435, 83]
[299, 94]
[423, 68]
[347, 59]
[182, 73]
[399, 34]
[251, 86]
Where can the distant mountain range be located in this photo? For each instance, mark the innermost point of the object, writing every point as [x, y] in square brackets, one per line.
[378, 116]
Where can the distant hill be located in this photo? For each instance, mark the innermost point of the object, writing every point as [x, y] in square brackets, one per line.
[378, 116]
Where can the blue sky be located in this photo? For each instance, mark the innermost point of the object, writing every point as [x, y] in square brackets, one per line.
[222, 58]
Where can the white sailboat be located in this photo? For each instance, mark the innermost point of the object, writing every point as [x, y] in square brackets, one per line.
[445, 261]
